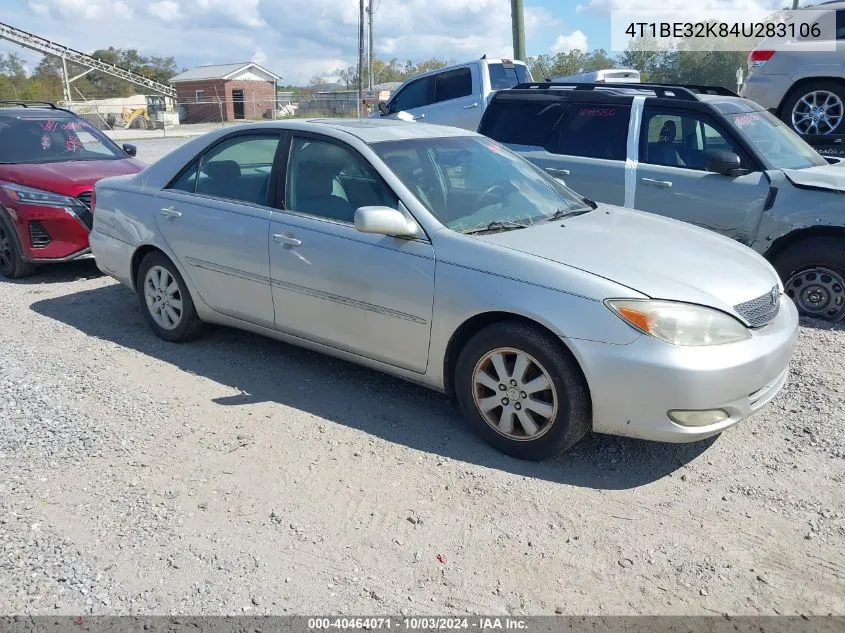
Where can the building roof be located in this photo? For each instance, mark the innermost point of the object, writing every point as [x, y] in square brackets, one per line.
[219, 71]
[388, 85]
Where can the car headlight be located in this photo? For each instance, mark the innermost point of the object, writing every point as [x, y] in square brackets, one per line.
[679, 323]
[28, 195]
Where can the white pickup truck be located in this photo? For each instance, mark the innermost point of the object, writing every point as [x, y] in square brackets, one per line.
[456, 95]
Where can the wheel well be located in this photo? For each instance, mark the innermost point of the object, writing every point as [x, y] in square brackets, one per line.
[793, 237]
[137, 257]
[471, 327]
[804, 82]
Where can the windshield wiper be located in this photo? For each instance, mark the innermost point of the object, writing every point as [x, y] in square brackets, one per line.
[559, 214]
[497, 225]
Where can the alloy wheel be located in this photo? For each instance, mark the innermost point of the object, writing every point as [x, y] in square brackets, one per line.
[514, 394]
[818, 112]
[818, 292]
[163, 297]
[6, 253]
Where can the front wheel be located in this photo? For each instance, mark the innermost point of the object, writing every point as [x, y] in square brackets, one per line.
[813, 273]
[522, 391]
[12, 264]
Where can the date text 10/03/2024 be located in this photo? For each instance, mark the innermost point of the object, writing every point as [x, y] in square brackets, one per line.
[419, 623]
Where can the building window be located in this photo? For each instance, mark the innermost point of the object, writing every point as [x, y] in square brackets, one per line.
[200, 96]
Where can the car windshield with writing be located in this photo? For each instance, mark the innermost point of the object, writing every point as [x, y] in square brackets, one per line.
[35, 140]
[777, 144]
[473, 184]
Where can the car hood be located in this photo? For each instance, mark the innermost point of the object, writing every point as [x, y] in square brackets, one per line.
[69, 178]
[830, 177]
[656, 256]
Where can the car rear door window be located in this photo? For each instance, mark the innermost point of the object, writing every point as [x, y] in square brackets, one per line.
[453, 84]
[416, 94]
[676, 139]
[237, 169]
[594, 131]
[521, 122]
[840, 24]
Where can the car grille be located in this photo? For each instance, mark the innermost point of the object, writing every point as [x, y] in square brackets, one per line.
[38, 235]
[85, 216]
[760, 311]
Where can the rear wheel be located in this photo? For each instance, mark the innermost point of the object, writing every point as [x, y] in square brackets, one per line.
[165, 300]
[12, 265]
[813, 273]
[522, 391]
[817, 107]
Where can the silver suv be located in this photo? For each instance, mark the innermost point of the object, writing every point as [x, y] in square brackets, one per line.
[694, 153]
[805, 88]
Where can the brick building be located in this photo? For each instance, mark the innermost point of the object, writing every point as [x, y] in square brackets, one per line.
[228, 91]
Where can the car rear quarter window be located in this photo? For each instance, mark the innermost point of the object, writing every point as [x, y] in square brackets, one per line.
[593, 131]
[504, 76]
[521, 122]
[453, 85]
[840, 24]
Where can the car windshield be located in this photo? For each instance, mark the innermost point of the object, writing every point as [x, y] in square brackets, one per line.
[34, 140]
[780, 147]
[474, 184]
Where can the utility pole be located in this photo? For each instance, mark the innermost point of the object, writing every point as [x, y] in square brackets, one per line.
[518, 22]
[370, 44]
[795, 5]
[360, 55]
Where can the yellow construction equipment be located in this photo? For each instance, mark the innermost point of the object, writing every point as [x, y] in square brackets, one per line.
[137, 117]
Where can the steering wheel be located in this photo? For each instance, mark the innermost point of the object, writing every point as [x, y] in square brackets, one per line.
[488, 193]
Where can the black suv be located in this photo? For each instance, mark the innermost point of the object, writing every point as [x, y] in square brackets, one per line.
[701, 154]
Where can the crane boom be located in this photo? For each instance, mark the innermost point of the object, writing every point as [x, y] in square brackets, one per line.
[46, 47]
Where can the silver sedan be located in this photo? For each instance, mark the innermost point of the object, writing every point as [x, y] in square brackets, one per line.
[439, 256]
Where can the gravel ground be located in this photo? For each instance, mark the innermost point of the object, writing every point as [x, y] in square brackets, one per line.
[237, 474]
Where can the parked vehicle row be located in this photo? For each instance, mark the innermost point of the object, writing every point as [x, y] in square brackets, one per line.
[437, 255]
[698, 154]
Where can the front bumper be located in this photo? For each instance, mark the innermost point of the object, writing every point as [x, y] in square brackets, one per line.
[766, 90]
[49, 234]
[633, 387]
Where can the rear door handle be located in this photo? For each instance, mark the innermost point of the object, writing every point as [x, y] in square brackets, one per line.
[665, 184]
[286, 240]
[171, 213]
[470, 107]
[557, 172]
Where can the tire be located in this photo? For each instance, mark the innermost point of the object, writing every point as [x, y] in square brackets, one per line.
[821, 86]
[12, 264]
[568, 396]
[161, 320]
[813, 274]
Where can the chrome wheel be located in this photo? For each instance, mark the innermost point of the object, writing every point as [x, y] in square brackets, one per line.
[818, 292]
[817, 112]
[6, 254]
[514, 394]
[163, 297]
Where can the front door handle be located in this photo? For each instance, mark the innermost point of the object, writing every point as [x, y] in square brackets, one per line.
[470, 107]
[421, 116]
[287, 240]
[557, 172]
[171, 213]
[665, 184]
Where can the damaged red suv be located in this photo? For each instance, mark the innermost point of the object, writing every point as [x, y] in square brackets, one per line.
[49, 161]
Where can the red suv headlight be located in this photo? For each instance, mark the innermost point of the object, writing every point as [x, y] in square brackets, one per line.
[40, 198]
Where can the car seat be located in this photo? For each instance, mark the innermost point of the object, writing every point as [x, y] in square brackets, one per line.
[664, 152]
[313, 188]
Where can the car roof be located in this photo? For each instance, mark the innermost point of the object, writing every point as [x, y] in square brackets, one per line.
[35, 112]
[367, 130]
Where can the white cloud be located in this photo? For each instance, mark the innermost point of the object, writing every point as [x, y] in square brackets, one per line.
[260, 57]
[298, 38]
[574, 41]
[167, 10]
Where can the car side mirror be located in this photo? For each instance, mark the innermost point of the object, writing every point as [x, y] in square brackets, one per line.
[384, 221]
[130, 149]
[382, 107]
[725, 163]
